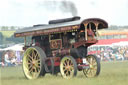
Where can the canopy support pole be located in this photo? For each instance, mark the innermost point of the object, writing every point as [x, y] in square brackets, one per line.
[25, 40]
[85, 25]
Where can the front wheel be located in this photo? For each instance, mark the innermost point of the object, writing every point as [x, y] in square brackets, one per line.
[68, 67]
[33, 62]
[94, 66]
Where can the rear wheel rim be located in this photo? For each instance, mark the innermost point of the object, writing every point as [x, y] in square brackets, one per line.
[67, 67]
[32, 63]
[93, 66]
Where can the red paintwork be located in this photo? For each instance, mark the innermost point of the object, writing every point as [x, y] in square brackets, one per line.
[56, 61]
[80, 67]
[110, 41]
[79, 60]
[94, 52]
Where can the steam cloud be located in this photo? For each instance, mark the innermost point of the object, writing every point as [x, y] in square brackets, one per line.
[61, 6]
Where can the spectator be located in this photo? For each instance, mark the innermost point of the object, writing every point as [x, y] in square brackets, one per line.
[13, 61]
[7, 60]
[126, 55]
[106, 56]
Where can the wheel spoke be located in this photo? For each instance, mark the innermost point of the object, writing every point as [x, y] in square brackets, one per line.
[88, 59]
[95, 66]
[64, 68]
[86, 71]
[37, 66]
[91, 60]
[28, 62]
[94, 63]
[89, 72]
[67, 73]
[37, 61]
[71, 68]
[36, 56]
[29, 65]
[33, 74]
[35, 69]
[94, 60]
[94, 70]
[29, 57]
[33, 54]
[68, 62]
[31, 69]
[64, 64]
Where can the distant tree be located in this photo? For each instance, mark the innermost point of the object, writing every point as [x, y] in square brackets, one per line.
[126, 27]
[114, 27]
[12, 28]
[15, 40]
[4, 28]
[1, 38]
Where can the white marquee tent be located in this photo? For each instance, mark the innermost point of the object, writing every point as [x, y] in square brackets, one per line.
[17, 47]
[122, 43]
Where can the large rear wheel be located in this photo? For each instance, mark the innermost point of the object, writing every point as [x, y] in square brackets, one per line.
[68, 67]
[33, 62]
[94, 66]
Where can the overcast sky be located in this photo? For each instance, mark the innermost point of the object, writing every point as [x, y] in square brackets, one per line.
[30, 12]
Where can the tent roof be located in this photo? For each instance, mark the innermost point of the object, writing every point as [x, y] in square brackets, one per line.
[17, 47]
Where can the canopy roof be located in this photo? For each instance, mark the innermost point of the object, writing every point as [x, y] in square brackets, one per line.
[58, 27]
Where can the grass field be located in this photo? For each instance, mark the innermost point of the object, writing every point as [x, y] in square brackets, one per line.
[112, 73]
[7, 34]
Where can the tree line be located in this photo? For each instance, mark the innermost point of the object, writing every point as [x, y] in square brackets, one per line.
[6, 28]
[6, 41]
[115, 27]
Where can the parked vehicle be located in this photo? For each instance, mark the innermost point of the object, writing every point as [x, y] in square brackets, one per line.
[61, 46]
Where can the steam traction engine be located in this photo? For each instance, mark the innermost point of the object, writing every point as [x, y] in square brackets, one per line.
[61, 46]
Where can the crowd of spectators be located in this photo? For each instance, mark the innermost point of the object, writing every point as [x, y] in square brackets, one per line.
[11, 58]
[115, 53]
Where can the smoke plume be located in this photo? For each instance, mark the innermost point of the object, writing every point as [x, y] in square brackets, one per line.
[60, 6]
[68, 6]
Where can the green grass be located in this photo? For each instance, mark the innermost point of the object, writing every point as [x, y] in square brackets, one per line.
[7, 34]
[112, 73]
